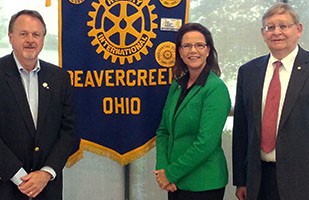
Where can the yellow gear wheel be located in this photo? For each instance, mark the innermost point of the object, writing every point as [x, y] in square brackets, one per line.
[122, 29]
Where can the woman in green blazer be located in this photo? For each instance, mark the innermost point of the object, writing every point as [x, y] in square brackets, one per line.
[190, 160]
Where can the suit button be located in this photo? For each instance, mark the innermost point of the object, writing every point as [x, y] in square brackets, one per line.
[36, 148]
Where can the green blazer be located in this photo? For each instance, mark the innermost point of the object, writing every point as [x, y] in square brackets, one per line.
[189, 140]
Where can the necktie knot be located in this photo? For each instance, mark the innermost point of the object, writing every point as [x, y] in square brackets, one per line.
[277, 64]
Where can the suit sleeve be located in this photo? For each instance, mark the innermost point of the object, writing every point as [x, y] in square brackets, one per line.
[161, 145]
[240, 139]
[163, 134]
[66, 139]
[9, 163]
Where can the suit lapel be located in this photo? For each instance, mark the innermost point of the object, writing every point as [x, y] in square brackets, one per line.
[299, 75]
[44, 93]
[176, 91]
[260, 70]
[189, 96]
[16, 85]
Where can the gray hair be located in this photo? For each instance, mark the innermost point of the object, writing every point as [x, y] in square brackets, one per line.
[281, 8]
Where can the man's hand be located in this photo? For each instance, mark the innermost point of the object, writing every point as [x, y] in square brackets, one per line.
[34, 183]
[241, 193]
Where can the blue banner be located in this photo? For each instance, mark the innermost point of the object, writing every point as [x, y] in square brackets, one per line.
[119, 54]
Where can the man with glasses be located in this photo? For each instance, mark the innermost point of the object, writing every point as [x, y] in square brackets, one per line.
[271, 122]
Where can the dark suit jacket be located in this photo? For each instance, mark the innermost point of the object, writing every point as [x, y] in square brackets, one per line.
[292, 147]
[23, 146]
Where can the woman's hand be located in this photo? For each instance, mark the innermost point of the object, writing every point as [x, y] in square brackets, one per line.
[163, 182]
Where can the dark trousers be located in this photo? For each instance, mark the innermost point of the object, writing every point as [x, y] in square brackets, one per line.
[204, 195]
[269, 187]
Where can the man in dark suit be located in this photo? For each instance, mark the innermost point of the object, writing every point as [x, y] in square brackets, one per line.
[266, 168]
[36, 116]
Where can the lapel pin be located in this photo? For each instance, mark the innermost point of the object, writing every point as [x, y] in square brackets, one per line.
[299, 68]
[45, 85]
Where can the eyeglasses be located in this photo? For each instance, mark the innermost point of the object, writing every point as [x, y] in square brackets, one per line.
[272, 28]
[188, 46]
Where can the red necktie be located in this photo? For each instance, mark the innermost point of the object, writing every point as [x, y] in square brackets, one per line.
[270, 116]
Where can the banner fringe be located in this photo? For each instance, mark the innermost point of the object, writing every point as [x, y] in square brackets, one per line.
[122, 159]
[74, 158]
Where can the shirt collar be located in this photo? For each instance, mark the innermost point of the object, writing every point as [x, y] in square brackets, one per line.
[21, 68]
[287, 61]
